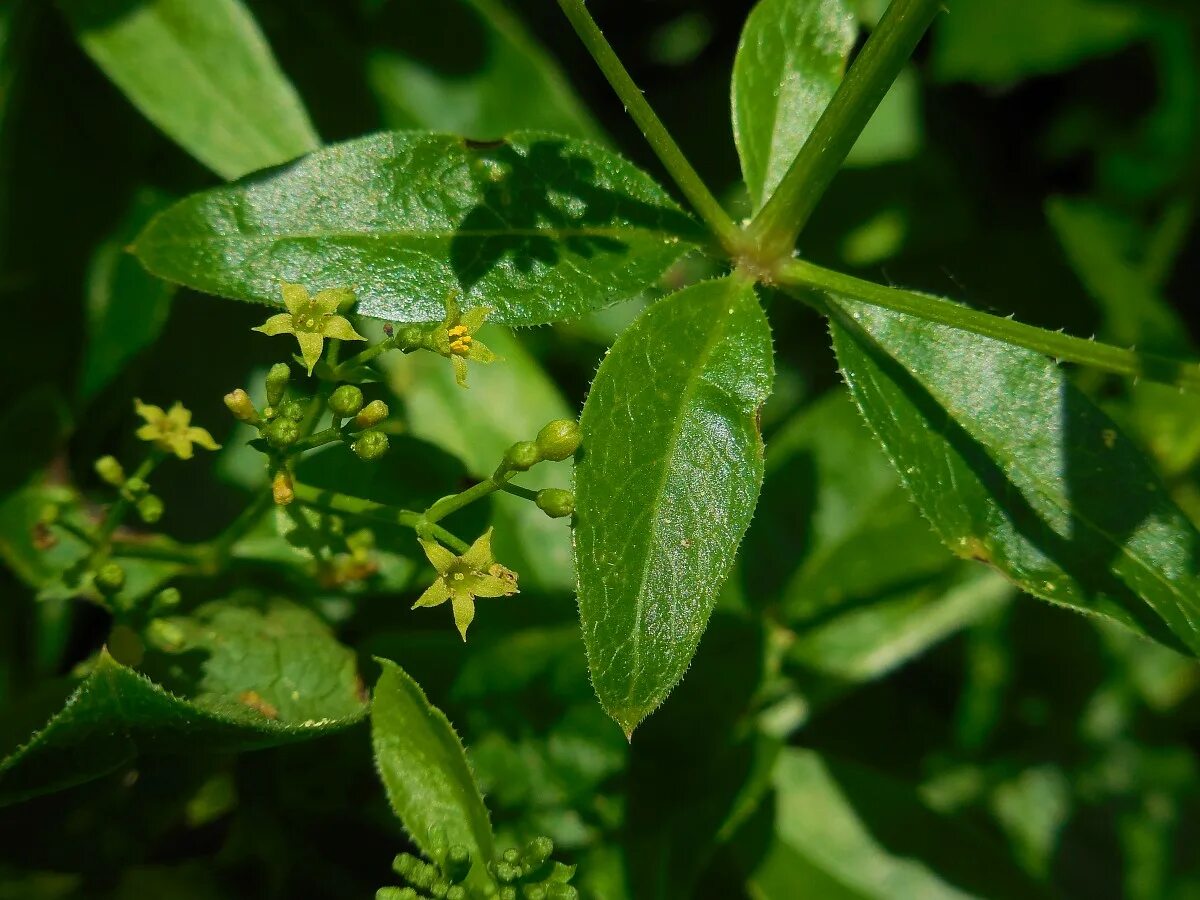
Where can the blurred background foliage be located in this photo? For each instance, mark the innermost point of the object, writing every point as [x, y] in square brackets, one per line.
[867, 717]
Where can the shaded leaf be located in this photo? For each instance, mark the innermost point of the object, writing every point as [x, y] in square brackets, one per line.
[788, 65]
[670, 471]
[538, 228]
[201, 72]
[1014, 466]
[425, 772]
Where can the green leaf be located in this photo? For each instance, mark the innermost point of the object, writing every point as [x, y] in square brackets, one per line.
[1014, 466]
[251, 657]
[477, 425]
[670, 472]
[126, 307]
[538, 228]
[201, 72]
[994, 43]
[789, 63]
[846, 833]
[425, 772]
[502, 80]
[115, 714]
[893, 133]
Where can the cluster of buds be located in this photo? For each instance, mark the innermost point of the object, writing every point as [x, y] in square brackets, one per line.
[133, 489]
[528, 874]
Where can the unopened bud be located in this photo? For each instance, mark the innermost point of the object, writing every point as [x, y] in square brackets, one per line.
[371, 414]
[522, 455]
[165, 601]
[282, 491]
[559, 439]
[370, 445]
[282, 433]
[556, 502]
[458, 862]
[291, 409]
[135, 487]
[150, 509]
[110, 578]
[110, 470]
[410, 337]
[277, 382]
[346, 401]
[239, 403]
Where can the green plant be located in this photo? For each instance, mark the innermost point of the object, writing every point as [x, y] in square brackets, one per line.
[387, 262]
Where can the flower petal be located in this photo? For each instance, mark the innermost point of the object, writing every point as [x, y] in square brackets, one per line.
[464, 614]
[280, 323]
[149, 432]
[439, 557]
[179, 415]
[478, 557]
[331, 300]
[203, 438]
[460, 370]
[473, 318]
[152, 414]
[339, 328]
[491, 585]
[295, 297]
[435, 595]
[310, 347]
[177, 444]
[480, 353]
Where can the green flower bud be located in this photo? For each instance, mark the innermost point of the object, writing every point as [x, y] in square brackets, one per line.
[396, 893]
[541, 848]
[535, 892]
[511, 855]
[439, 888]
[371, 414]
[282, 490]
[110, 470]
[292, 409]
[150, 509]
[370, 445]
[110, 578]
[239, 403]
[134, 488]
[559, 439]
[558, 891]
[282, 433]
[556, 503]
[165, 600]
[456, 892]
[508, 892]
[346, 401]
[522, 455]
[277, 382]
[410, 337]
[458, 862]
[506, 872]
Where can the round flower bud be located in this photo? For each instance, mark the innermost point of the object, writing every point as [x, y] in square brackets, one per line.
[556, 502]
[239, 403]
[395, 893]
[291, 409]
[522, 455]
[110, 470]
[346, 401]
[135, 487]
[110, 578]
[410, 337]
[150, 509]
[559, 891]
[458, 862]
[165, 601]
[277, 382]
[540, 848]
[456, 892]
[282, 433]
[559, 439]
[282, 491]
[371, 414]
[370, 445]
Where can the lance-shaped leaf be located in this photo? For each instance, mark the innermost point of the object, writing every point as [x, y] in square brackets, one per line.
[1014, 466]
[789, 63]
[666, 485]
[538, 228]
[203, 73]
[425, 772]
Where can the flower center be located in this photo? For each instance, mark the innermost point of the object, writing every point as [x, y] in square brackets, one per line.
[460, 340]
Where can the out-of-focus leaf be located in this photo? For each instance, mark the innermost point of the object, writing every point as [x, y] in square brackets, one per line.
[502, 80]
[996, 43]
[538, 228]
[115, 714]
[788, 65]
[203, 73]
[1014, 466]
[425, 771]
[670, 471]
[842, 831]
[893, 132]
[506, 402]
[126, 306]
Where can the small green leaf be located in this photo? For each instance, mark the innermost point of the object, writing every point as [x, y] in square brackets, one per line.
[538, 228]
[511, 83]
[1014, 466]
[844, 832]
[670, 471]
[203, 73]
[789, 63]
[425, 772]
[115, 714]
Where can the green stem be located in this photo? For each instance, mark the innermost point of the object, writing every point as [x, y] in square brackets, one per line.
[1167, 239]
[361, 359]
[660, 139]
[517, 491]
[221, 547]
[455, 502]
[1064, 348]
[187, 554]
[776, 227]
[343, 504]
[320, 439]
[116, 513]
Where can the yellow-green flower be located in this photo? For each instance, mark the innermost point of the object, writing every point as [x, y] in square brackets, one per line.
[463, 578]
[173, 430]
[312, 319]
[455, 338]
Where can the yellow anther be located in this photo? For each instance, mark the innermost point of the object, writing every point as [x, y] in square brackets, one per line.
[457, 331]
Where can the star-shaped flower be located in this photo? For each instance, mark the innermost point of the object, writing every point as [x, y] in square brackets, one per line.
[312, 319]
[455, 338]
[173, 430]
[463, 578]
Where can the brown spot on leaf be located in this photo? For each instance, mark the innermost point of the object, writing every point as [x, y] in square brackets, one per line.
[256, 702]
[973, 548]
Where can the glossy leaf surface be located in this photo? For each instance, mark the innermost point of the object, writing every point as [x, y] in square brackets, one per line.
[669, 474]
[201, 72]
[538, 228]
